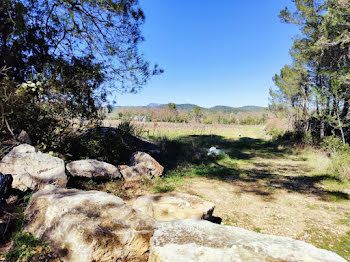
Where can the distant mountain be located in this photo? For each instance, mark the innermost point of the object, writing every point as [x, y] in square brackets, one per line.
[237, 109]
[189, 107]
[154, 105]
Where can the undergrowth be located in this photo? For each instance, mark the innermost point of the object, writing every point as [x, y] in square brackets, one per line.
[27, 248]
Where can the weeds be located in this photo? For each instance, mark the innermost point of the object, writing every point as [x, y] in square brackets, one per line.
[27, 248]
[163, 188]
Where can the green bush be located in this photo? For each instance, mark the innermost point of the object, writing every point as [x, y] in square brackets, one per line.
[131, 128]
[340, 152]
[110, 145]
[208, 121]
[274, 131]
[334, 145]
[340, 165]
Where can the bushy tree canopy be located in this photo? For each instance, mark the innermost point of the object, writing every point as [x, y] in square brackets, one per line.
[317, 86]
[59, 59]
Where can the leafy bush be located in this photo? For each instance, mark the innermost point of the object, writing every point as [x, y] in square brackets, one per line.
[340, 165]
[208, 121]
[110, 145]
[274, 131]
[334, 145]
[131, 128]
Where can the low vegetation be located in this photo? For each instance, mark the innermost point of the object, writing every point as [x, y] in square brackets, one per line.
[171, 114]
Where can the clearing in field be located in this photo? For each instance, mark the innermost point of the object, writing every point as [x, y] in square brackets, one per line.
[259, 185]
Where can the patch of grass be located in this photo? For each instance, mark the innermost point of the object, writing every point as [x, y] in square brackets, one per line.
[91, 184]
[313, 207]
[231, 221]
[336, 196]
[257, 229]
[344, 221]
[328, 240]
[163, 188]
[343, 246]
[27, 248]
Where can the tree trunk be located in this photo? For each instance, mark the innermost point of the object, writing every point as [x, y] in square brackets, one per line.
[322, 130]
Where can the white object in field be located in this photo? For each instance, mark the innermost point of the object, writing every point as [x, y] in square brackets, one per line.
[215, 151]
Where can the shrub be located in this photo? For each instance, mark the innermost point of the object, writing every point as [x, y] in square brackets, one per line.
[334, 145]
[340, 165]
[274, 131]
[208, 121]
[110, 145]
[131, 128]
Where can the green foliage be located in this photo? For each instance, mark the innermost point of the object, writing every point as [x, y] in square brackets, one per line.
[27, 248]
[208, 121]
[131, 128]
[340, 165]
[111, 145]
[197, 111]
[334, 145]
[204, 116]
[340, 153]
[314, 89]
[58, 63]
[172, 106]
[163, 188]
[274, 131]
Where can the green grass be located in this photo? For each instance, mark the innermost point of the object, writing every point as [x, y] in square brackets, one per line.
[27, 248]
[327, 240]
[163, 188]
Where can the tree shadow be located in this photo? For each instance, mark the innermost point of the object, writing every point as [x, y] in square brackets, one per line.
[190, 153]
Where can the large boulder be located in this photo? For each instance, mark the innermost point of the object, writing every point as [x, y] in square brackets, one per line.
[142, 165]
[88, 225]
[172, 206]
[200, 240]
[91, 168]
[31, 169]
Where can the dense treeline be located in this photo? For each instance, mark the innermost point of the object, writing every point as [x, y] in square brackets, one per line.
[315, 89]
[171, 114]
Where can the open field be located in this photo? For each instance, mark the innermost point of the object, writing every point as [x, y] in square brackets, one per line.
[260, 185]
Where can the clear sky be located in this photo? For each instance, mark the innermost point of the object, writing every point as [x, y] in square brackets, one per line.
[213, 52]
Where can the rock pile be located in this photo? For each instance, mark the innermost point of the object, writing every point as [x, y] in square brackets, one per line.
[142, 165]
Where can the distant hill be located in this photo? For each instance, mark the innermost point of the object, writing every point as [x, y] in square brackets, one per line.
[189, 107]
[237, 109]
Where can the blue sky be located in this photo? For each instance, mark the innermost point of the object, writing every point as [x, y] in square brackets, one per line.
[213, 52]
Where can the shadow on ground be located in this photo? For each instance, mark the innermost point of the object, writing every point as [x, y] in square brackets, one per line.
[188, 156]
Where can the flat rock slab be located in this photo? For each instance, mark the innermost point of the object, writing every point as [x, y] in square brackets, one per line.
[142, 165]
[172, 206]
[89, 226]
[91, 168]
[200, 240]
[32, 169]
